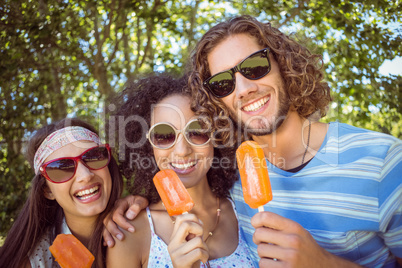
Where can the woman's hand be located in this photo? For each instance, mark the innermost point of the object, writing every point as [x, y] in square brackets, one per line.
[187, 247]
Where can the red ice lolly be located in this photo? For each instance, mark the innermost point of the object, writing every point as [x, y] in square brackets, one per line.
[254, 175]
[172, 192]
[69, 252]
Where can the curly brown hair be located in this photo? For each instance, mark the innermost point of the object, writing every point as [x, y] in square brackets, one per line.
[133, 118]
[300, 69]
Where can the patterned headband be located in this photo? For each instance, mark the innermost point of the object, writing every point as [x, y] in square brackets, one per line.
[61, 138]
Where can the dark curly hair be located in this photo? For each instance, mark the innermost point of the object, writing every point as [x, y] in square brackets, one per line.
[300, 69]
[133, 119]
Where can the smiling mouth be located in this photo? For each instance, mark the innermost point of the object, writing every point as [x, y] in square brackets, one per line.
[184, 165]
[88, 193]
[255, 106]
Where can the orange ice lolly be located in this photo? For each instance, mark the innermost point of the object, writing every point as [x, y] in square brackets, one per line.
[172, 192]
[254, 174]
[69, 252]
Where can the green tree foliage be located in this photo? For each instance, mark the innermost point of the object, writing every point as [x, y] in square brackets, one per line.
[68, 57]
[356, 37]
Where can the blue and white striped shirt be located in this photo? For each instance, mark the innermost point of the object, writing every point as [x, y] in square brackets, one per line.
[349, 197]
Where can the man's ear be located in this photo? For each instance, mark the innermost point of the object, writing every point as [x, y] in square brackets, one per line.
[48, 193]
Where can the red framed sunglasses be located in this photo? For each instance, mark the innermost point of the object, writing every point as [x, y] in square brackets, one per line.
[63, 169]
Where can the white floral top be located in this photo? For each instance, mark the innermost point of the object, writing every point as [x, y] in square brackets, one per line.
[42, 257]
[159, 255]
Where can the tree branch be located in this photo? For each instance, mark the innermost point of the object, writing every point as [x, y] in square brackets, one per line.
[150, 27]
[296, 12]
[193, 15]
[99, 43]
[137, 59]
[106, 32]
[122, 26]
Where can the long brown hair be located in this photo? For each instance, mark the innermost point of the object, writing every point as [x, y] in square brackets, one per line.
[40, 215]
[300, 69]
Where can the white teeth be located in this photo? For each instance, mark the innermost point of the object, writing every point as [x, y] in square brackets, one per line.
[87, 196]
[183, 166]
[256, 105]
[87, 192]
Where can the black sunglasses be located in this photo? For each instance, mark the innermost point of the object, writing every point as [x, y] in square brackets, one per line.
[254, 67]
[63, 169]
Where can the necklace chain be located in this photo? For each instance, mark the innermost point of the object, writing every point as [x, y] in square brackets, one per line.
[308, 141]
[210, 233]
[218, 213]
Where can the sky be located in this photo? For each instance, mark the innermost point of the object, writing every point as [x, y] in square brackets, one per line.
[392, 67]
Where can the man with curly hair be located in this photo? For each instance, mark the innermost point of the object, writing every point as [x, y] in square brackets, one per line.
[337, 192]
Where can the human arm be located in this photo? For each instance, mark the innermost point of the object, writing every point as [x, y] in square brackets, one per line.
[390, 200]
[279, 238]
[133, 251]
[186, 246]
[130, 206]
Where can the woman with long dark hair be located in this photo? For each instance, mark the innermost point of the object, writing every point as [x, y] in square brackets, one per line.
[75, 185]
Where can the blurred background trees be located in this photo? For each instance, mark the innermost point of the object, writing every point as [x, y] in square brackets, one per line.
[68, 57]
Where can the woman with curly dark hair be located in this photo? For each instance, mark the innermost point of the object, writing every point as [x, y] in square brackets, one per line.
[160, 131]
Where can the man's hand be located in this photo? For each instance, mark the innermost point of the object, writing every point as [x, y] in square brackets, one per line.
[129, 206]
[284, 243]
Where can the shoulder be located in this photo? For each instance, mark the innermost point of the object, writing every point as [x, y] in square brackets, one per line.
[140, 223]
[142, 230]
[347, 137]
[343, 129]
[41, 255]
[133, 250]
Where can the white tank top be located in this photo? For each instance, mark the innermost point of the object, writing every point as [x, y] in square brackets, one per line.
[159, 255]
